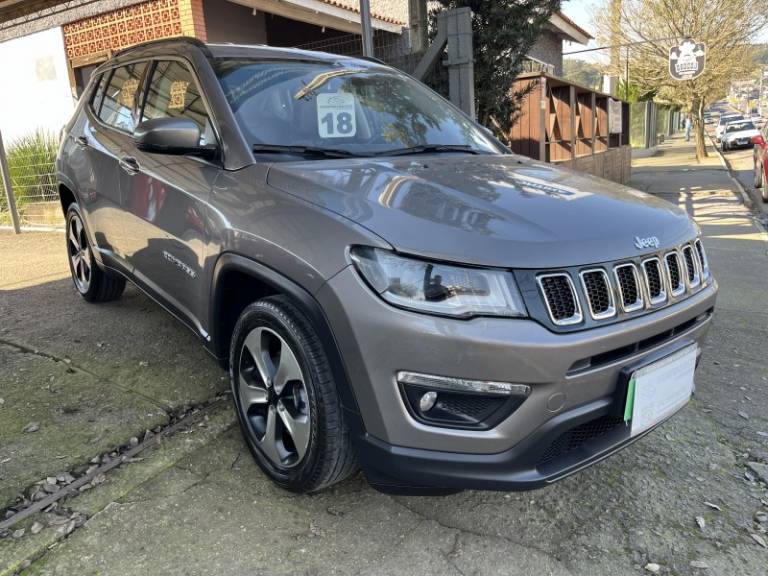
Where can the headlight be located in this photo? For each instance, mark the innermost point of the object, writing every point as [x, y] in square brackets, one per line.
[438, 288]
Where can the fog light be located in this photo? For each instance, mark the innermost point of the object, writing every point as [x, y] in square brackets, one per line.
[427, 401]
[451, 402]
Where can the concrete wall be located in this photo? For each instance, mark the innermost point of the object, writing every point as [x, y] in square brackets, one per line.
[228, 22]
[549, 48]
[36, 91]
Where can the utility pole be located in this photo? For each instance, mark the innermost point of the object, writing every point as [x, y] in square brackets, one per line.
[6, 175]
[365, 21]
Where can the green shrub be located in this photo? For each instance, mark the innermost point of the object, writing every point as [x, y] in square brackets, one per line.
[32, 168]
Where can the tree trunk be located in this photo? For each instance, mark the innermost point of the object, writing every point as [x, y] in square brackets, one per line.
[698, 125]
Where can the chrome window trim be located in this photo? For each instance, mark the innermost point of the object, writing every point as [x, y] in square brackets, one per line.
[662, 297]
[611, 311]
[681, 285]
[640, 302]
[578, 316]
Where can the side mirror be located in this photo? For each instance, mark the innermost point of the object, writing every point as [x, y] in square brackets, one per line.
[758, 140]
[169, 136]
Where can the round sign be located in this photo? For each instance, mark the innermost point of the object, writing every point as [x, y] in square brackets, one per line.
[686, 61]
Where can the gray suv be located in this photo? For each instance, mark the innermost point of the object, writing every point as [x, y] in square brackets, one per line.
[389, 287]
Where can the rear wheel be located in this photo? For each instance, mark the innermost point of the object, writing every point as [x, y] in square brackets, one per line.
[91, 282]
[758, 180]
[286, 400]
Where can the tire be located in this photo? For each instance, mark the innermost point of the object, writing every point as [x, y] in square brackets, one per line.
[91, 282]
[758, 181]
[294, 425]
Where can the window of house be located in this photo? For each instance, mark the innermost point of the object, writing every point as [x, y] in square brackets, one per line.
[120, 96]
[173, 93]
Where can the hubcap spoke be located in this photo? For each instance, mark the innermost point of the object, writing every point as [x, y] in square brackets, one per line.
[73, 239]
[298, 427]
[288, 369]
[254, 345]
[252, 394]
[76, 257]
[268, 443]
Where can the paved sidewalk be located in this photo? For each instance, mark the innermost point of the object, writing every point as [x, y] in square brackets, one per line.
[199, 505]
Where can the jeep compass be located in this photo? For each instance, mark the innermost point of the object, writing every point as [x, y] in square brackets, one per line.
[389, 287]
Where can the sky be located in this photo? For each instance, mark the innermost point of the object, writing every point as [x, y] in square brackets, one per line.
[580, 11]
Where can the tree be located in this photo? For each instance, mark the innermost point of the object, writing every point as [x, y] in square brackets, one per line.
[504, 32]
[725, 26]
[582, 72]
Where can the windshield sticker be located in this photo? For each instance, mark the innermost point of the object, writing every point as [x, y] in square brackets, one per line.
[336, 115]
[178, 95]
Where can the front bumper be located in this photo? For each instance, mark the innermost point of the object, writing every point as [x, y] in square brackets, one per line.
[376, 341]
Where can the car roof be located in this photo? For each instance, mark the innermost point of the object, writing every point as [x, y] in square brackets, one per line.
[183, 44]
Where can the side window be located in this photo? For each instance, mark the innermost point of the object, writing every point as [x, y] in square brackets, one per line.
[98, 92]
[120, 96]
[173, 93]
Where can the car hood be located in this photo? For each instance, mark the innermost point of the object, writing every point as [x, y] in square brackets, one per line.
[496, 210]
[742, 134]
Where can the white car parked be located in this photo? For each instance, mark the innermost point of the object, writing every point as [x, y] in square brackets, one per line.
[724, 120]
[738, 135]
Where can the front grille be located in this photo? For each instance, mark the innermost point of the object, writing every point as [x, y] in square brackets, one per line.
[598, 291]
[690, 264]
[560, 298]
[613, 289]
[629, 287]
[578, 437]
[676, 283]
[654, 281]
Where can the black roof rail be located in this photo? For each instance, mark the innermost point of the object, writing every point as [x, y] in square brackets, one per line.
[176, 39]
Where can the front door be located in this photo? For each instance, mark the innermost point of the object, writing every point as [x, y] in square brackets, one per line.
[105, 134]
[165, 199]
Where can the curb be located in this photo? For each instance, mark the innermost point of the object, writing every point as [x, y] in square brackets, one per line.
[745, 197]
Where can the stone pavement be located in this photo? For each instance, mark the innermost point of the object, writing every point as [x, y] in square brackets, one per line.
[197, 504]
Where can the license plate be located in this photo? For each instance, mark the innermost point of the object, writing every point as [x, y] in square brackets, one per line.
[660, 389]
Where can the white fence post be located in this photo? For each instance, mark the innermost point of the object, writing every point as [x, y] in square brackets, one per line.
[8, 187]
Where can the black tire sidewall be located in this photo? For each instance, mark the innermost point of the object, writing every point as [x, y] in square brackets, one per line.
[266, 313]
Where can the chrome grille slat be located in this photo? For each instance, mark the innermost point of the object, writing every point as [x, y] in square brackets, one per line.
[702, 258]
[674, 276]
[654, 281]
[693, 276]
[627, 279]
[560, 298]
[597, 288]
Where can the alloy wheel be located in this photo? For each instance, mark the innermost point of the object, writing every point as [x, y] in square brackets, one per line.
[79, 253]
[273, 397]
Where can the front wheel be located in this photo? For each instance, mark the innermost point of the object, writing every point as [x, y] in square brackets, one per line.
[93, 284]
[286, 399]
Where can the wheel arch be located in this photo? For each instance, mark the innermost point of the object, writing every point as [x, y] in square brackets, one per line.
[67, 197]
[238, 281]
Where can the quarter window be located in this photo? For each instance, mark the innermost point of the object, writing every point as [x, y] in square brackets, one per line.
[173, 93]
[98, 92]
[120, 97]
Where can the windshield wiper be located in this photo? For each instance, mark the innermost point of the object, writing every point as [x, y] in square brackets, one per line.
[430, 149]
[303, 151]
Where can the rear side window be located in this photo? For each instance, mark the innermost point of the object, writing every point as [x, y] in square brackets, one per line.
[120, 96]
[173, 93]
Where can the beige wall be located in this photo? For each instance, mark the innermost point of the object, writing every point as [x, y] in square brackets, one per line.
[389, 9]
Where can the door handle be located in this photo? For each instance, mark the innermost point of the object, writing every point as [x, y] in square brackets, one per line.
[129, 164]
[81, 141]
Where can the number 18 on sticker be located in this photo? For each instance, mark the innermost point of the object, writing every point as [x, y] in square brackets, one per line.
[336, 115]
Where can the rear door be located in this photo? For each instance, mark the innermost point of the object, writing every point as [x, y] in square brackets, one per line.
[110, 121]
[165, 199]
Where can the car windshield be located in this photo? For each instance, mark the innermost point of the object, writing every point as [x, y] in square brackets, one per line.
[359, 109]
[729, 119]
[739, 126]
